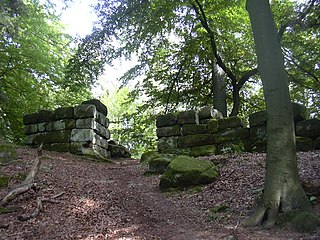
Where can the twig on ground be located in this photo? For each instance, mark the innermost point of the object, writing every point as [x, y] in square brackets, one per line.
[39, 208]
[28, 183]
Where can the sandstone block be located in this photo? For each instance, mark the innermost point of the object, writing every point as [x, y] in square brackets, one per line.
[188, 117]
[308, 128]
[230, 135]
[195, 140]
[168, 131]
[192, 129]
[99, 106]
[231, 122]
[169, 119]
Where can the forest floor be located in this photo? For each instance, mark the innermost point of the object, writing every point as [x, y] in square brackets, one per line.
[96, 200]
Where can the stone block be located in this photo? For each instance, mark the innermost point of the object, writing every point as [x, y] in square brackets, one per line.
[258, 118]
[118, 151]
[192, 129]
[39, 117]
[213, 126]
[235, 147]
[63, 113]
[167, 143]
[41, 127]
[231, 122]
[99, 106]
[101, 152]
[62, 136]
[206, 150]
[209, 112]
[30, 129]
[188, 117]
[81, 148]
[86, 123]
[100, 118]
[62, 124]
[230, 135]
[58, 147]
[259, 146]
[304, 144]
[100, 141]
[85, 111]
[101, 130]
[29, 139]
[195, 140]
[299, 112]
[258, 133]
[308, 128]
[169, 119]
[168, 131]
[82, 135]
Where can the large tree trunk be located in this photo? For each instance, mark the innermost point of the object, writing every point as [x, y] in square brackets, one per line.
[218, 91]
[282, 187]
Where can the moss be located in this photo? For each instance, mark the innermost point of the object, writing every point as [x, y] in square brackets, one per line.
[159, 165]
[147, 156]
[305, 222]
[203, 150]
[301, 221]
[186, 171]
[4, 180]
[218, 212]
[9, 209]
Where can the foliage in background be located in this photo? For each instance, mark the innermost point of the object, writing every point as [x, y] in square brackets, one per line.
[33, 54]
[179, 42]
[130, 124]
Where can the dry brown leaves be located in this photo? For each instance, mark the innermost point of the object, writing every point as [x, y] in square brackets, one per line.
[115, 201]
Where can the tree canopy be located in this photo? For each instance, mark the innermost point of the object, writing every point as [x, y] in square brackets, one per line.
[184, 46]
[33, 54]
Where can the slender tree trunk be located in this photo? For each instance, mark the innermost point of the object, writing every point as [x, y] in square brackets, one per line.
[218, 91]
[282, 187]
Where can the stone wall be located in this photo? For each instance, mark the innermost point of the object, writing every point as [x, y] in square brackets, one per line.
[205, 132]
[82, 129]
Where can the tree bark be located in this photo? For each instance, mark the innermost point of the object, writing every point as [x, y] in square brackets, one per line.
[282, 188]
[218, 91]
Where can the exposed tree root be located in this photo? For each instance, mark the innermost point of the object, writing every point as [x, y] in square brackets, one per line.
[39, 208]
[28, 183]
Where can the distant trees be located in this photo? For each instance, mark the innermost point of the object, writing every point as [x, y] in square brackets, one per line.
[191, 52]
[33, 55]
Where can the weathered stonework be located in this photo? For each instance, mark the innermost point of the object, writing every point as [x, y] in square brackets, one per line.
[82, 129]
[195, 132]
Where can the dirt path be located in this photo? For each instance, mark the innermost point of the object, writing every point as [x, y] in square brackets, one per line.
[115, 201]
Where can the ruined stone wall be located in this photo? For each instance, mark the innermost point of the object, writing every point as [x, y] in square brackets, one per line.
[82, 129]
[205, 132]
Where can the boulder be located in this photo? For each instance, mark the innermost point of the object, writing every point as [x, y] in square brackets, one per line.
[159, 164]
[168, 131]
[169, 119]
[7, 152]
[308, 128]
[99, 106]
[192, 129]
[186, 171]
[195, 140]
[231, 122]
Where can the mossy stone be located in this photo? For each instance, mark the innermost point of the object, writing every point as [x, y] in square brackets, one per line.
[7, 153]
[231, 122]
[185, 171]
[160, 164]
[148, 156]
[304, 144]
[4, 180]
[203, 150]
